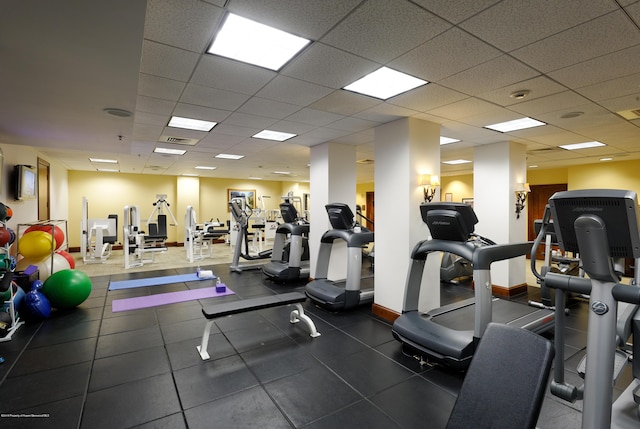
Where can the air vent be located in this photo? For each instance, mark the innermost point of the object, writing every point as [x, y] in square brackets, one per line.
[179, 140]
[544, 149]
[630, 114]
[364, 161]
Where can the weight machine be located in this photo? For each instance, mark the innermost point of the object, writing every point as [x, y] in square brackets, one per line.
[97, 236]
[138, 247]
[198, 238]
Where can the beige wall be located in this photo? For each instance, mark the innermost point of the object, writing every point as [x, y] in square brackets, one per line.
[110, 192]
[604, 175]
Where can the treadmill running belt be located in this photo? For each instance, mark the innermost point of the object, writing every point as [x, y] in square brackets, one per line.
[503, 312]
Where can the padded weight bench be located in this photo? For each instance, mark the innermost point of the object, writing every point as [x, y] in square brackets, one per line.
[236, 307]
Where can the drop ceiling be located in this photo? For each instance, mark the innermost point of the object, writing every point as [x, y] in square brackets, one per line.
[65, 62]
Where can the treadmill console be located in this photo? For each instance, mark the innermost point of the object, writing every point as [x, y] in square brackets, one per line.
[340, 216]
[449, 221]
[288, 212]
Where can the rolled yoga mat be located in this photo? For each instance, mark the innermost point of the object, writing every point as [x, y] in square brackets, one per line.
[147, 301]
[154, 281]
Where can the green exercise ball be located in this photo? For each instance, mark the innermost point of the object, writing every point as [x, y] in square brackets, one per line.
[67, 288]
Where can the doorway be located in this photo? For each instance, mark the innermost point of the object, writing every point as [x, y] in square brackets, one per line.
[370, 205]
[536, 201]
[44, 177]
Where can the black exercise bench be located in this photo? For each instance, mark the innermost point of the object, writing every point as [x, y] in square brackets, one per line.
[236, 307]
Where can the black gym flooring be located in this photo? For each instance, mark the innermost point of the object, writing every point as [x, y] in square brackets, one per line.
[91, 368]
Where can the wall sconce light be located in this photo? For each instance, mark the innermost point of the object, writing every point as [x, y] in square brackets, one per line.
[429, 186]
[522, 189]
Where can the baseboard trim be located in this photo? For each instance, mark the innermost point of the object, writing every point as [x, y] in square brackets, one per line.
[509, 292]
[384, 313]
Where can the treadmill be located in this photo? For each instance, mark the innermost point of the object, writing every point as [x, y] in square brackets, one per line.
[449, 334]
[290, 256]
[354, 290]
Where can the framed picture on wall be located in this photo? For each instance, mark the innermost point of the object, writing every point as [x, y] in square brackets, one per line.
[448, 197]
[248, 195]
[468, 201]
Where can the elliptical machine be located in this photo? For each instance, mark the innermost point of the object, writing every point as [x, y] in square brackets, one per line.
[242, 237]
[602, 226]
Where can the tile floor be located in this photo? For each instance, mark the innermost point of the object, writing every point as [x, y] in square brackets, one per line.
[92, 368]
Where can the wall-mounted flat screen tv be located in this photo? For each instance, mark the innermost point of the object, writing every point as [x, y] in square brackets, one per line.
[26, 180]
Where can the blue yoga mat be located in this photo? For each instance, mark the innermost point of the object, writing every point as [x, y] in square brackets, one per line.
[153, 281]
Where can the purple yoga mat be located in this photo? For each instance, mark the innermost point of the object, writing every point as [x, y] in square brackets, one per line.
[165, 298]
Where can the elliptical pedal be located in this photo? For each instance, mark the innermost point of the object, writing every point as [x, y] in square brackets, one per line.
[620, 361]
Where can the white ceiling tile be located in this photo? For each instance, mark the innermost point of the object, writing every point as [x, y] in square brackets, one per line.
[539, 86]
[434, 61]
[154, 105]
[618, 104]
[310, 19]
[328, 66]
[249, 121]
[427, 97]
[217, 72]
[294, 91]
[160, 87]
[614, 88]
[167, 61]
[199, 112]
[150, 119]
[352, 124]
[385, 112]
[512, 24]
[213, 97]
[493, 74]
[314, 117]
[464, 108]
[592, 39]
[627, 61]
[268, 108]
[382, 30]
[187, 24]
[291, 127]
[455, 10]
[345, 103]
[561, 101]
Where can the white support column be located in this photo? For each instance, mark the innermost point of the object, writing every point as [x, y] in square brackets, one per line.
[332, 180]
[404, 150]
[497, 169]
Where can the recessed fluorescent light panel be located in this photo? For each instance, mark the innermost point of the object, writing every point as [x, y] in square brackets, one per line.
[515, 125]
[229, 156]
[585, 145]
[254, 178]
[282, 172]
[385, 83]
[447, 140]
[204, 167]
[189, 175]
[169, 151]
[254, 43]
[273, 135]
[106, 161]
[456, 161]
[191, 124]
[108, 170]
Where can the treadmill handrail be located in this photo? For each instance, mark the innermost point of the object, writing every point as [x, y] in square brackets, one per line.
[353, 239]
[423, 248]
[483, 257]
[293, 229]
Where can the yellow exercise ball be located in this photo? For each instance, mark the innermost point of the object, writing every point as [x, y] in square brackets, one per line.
[36, 244]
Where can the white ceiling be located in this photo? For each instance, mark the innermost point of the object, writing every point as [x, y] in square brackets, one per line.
[64, 62]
